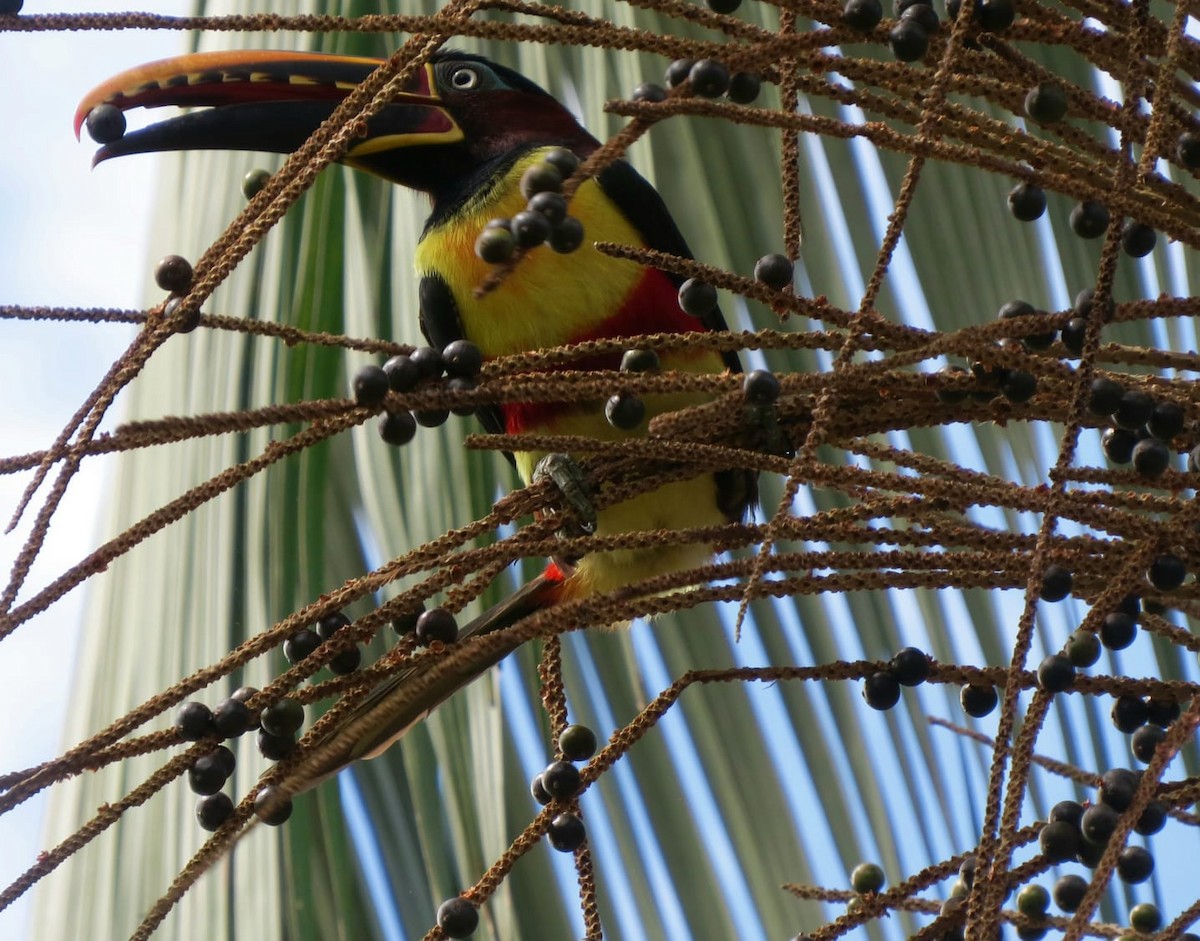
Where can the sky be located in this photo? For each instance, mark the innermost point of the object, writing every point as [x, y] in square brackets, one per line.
[68, 237]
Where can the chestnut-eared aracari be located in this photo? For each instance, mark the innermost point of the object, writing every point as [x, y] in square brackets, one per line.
[464, 130]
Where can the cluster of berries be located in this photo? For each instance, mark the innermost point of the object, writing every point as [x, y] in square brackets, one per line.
[460, 362]
[544, 219]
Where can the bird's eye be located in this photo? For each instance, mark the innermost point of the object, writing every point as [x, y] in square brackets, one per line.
[465, 78]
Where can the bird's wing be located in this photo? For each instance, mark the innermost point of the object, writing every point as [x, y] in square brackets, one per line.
[441, 324]
[646, 211]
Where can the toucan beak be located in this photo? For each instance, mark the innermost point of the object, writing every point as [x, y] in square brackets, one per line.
[263, 101]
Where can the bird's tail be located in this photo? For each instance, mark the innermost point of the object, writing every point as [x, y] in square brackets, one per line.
[403, 700]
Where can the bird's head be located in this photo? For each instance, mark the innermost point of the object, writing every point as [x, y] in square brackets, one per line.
[458, 114]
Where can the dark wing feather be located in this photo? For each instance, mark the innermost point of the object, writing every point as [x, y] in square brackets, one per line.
[441, 324]
[737, 489]
[640, 203]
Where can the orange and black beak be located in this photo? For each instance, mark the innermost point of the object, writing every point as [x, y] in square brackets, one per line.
[267, 101]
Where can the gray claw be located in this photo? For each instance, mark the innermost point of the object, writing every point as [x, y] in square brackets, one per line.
[772, 440]
[568, 477]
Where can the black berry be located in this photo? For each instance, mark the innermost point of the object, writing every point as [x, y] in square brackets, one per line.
[1129, 713]
[1135, 864]
[1059, 841]
[978, 701]
[566, 236]
[1137, 239]
[697, 298]
[1055, 673]
[909, 40]
[1117, 787]
[1118, 445]
[1134, 410]
[457, 918]
[744, 87]
[1056, 583]
[551, 205]
[649, 91]
[1073, 334]
[283, 717]
[1151, 457]
[542, 177]
[271, 807]
[530, 229]
[639, 361]
[403, 374]
[775, 271]
[1026, 202]
[207, 774]
[436, 624]
[865, 15]
[194, 721]
[624, 411]
[709, 78]
[566, 833]
[1104, 396]
[560, 779]
[301, 644]
[881, 691]
[173, 273]
[462, 358]
[677, 72]
[910, 666]
[231, 718]
[1167, 572]
[1117, 630]
[760, 387]
[1098, 823]
[214, 810]
[1145, 742]
[105, 123]
[1046, 103]
[1166, 421]
[1069, 891]
[397, 428]
[1187, 149]
[495, 245]
[1089, 219]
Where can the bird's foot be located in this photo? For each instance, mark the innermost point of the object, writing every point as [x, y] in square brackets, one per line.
[770, 437]
[569, 479]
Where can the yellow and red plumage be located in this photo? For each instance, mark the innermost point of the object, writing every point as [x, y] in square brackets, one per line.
[465, 130]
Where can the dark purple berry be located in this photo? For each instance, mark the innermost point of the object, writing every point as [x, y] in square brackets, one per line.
[194, 721]
[214, 810]
[978, 701]
[566, 833]
[457, 918]
[436, 625]
[105, 123]
[1027, 202]
[881, 690]
[174, 273]
[560, 779]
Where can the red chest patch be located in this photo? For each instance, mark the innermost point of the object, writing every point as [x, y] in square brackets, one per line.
[652, 307]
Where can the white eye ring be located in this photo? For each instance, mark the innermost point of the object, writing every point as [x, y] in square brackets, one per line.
[464, 78]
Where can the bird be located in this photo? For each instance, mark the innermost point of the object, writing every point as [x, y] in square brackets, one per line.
[466, 130]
